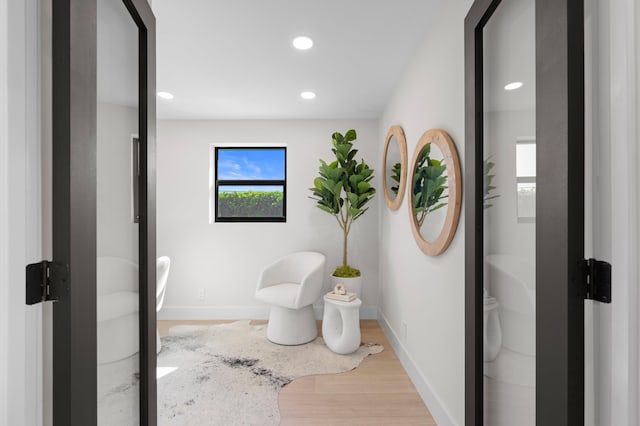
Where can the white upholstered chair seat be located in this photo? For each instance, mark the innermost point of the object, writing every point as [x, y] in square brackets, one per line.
[283, 294]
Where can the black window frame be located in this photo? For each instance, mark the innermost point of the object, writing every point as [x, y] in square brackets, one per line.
[244, 182]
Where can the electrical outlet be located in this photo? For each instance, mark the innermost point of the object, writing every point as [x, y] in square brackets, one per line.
[200, 295]
[404, 330]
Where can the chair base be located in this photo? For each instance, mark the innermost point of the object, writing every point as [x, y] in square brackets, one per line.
[291, 326]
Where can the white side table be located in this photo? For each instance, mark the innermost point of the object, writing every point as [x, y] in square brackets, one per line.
[341, 325]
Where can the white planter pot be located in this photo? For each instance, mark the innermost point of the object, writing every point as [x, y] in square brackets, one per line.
[353, 285]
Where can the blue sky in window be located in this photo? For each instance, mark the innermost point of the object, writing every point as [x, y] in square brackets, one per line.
[250, 164]
[254, 188]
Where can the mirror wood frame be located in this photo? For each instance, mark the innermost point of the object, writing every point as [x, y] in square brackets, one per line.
[398, 133]
[443, 141]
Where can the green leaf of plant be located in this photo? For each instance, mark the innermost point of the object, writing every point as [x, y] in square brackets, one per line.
[354, 180]
[350, 135]
[366, 172]
[363, 187]
[329, 185]
[353, 212]
[439, 206]
[417, 200]
[364, 199]
[353, 199]
[326, 209]
[360, 213]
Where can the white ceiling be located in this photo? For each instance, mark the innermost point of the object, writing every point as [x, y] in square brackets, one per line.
[233, 59]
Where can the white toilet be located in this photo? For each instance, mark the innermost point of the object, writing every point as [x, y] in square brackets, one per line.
[491, 328]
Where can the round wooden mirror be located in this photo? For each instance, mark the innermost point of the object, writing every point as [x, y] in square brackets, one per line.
[395, 167]
[436, 192]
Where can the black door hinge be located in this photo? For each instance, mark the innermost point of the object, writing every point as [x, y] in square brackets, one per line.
[598, 280]
[46, 281]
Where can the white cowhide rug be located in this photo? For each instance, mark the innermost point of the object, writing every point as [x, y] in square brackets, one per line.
[230, 374]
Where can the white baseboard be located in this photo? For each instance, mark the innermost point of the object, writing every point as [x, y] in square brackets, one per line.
[213, 312]
[438, 410]
[239, 312]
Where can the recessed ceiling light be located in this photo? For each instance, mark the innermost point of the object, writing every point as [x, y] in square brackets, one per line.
[307, 95]
[165, 95]
[302, 43]
[513, 86]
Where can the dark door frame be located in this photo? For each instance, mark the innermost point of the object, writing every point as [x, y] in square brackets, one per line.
[560, 286]
[74, 210]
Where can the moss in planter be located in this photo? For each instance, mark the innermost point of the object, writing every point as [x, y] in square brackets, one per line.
[346, 272]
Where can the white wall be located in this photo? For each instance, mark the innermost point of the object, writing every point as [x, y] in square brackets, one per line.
[614, 125]
[636, 26]
[20, 213]
[623, 138]
[4, 217]
[222, 261]
[427, 293]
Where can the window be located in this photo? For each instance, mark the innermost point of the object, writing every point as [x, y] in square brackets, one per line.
[250, 184]
[526, 179]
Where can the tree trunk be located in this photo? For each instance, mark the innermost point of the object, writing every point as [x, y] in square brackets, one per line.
[344, 247]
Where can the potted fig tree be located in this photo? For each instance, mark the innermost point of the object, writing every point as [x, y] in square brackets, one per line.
[343, 190]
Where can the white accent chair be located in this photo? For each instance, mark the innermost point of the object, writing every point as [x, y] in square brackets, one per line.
[291, 286]
[162, 274]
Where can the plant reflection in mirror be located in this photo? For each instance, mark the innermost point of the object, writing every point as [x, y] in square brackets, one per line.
[487, 165]
[395, 175]
[429, 184]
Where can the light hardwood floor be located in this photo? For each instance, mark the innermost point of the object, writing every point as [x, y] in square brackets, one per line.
[378, 392]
